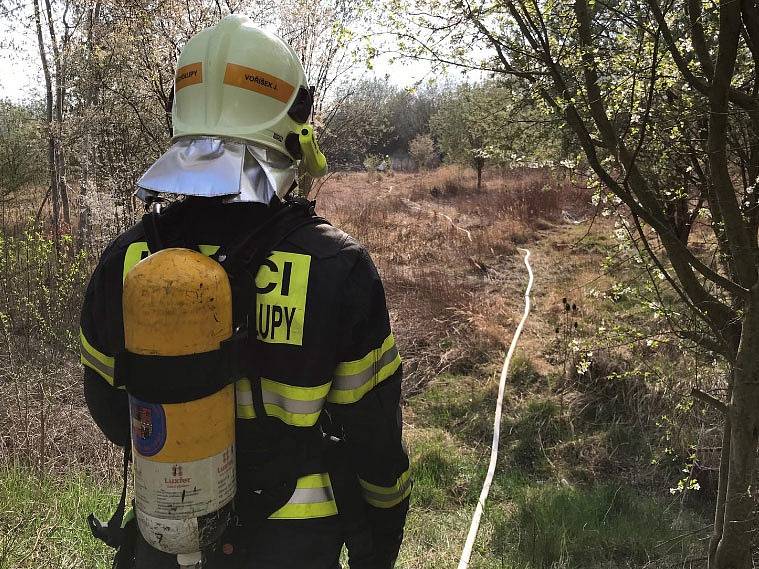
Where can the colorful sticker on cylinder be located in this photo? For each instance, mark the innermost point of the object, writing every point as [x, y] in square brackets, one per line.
[148, 426]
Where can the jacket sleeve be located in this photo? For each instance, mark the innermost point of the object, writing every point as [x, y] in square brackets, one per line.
[99, 337]
[364, 401]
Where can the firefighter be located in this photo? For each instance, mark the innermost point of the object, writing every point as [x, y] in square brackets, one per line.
[320, 460]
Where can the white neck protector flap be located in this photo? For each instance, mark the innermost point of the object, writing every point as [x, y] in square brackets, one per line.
[213, 167]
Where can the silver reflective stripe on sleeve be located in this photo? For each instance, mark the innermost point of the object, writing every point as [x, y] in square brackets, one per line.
[296, 406]
[313, 498]
[94, 359]
[356, 378]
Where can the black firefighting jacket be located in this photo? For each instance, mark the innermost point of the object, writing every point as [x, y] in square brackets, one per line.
[329, 363]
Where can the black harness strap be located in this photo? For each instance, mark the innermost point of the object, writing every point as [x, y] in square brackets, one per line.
[150, 223]
[161, 235]
[249, 252]
[111, 532]
[179, 379]
[242, 262]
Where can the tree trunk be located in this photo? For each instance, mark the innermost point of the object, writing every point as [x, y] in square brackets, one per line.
[51, 143]
[89, 163]
[734, 548]
[724, 468]
[479, 165]
[59, 155]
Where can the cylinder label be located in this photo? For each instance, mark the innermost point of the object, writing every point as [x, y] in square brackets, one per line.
[184, 490]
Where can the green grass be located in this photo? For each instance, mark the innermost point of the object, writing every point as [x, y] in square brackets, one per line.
[43, 521]
[461, 405]
[576, 527]
[531, 521]
[522, 372]
[538, 426]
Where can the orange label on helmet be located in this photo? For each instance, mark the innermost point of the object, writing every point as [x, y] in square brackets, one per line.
[189, 75]
[258, 81]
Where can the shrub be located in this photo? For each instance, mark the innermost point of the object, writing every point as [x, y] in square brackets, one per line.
[41, 291]
[372, 163]
[422, 151]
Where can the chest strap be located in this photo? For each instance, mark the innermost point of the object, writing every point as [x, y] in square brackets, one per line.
[179, 379]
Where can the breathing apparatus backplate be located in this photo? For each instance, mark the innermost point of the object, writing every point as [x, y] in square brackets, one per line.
[179, 379]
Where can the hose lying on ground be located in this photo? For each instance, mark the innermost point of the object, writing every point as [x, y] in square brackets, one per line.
[467, 551]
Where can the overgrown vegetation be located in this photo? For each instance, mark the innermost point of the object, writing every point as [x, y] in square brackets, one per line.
[644, 328]
[661, 100]
[41, 520]
[574, 442]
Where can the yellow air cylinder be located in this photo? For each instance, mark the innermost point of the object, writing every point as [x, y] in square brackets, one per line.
[178, 302]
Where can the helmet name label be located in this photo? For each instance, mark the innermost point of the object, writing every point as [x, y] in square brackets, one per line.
[258, 82]
[187, 75]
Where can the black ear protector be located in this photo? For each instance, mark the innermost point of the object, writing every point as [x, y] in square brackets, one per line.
[292, 144]
[300, 111]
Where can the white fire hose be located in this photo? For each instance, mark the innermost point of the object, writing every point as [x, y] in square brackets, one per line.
[467, 551]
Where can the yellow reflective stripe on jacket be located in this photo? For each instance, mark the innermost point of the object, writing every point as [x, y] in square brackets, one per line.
[296, 406]
[133, 256]
[355, 379]
[208, 250]
[244, 398]
[94, 359]
[313, 498]
[387, 497]
[135, 252]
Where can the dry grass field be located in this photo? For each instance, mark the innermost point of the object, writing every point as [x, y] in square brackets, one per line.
[448, 255]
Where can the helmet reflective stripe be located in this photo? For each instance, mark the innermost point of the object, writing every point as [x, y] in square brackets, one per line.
[191, 74]
[258, 81]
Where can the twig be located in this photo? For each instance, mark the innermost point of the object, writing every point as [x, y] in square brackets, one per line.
[709, 400]
[683, 535]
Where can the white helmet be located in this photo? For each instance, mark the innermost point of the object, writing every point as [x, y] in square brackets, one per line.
[241, 106]
[239, 81]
